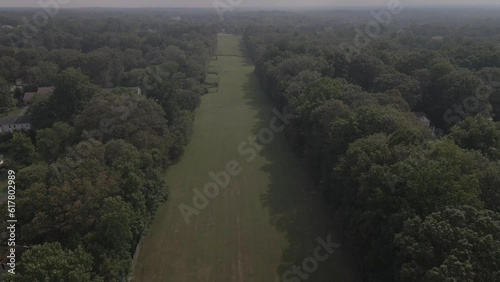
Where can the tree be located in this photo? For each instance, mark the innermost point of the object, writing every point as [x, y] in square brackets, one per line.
[295, 87]
[113, 235]
[98, 184]
[316, 94]
[364, 69]
[458, 98]
[455, 244]
[6, 98]
[447, 176]
[186, 100]
[408, 63]
[52, 262]
[132, 58]
[23, 149]
[73, 89]
[433, 88]
[28, 57]
[407, 86]
[9, 68]
[133, 78]
[478, 133]
[51, 142]
[35, 173]
[43, 74]
[42, 112]
[490, 78]
[96, 66]
[66, 58]
[126, 116]
[392, 98]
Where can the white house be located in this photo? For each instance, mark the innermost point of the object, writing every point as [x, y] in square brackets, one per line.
[15, 123]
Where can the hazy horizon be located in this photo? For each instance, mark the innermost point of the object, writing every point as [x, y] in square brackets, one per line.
[245, 3]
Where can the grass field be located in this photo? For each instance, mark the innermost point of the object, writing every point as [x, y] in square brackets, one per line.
[263, 222]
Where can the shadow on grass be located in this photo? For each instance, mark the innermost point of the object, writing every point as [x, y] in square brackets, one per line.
[243, 50]
[297, 209]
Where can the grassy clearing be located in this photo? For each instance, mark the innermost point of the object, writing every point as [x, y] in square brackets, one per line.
[263, 222]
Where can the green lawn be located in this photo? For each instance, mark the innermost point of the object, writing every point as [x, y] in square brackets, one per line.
[263, 222]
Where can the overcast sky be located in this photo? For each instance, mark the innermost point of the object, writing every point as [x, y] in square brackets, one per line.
[245, 3]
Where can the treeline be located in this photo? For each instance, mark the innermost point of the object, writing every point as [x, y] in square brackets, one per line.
[91, 175]
[416, 203]
[112, 48]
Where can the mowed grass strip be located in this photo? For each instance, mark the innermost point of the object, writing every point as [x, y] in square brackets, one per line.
[263, 222]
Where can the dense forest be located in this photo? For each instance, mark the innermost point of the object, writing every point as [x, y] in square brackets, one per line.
[401, 133]
[399, 128]
[90, 174]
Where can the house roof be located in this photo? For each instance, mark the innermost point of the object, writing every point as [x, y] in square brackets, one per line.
[28, 96]
[45, 90]
[15, 119]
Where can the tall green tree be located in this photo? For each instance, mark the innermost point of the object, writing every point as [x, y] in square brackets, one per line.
[9, 68]
[73, 89]
[455, 244]
[478, 133]
[6, 97]
[22, 148]
[52, 262]
[51, 142]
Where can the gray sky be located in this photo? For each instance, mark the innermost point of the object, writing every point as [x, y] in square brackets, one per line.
[245, 3]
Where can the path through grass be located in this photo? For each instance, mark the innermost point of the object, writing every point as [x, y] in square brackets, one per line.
[263, 222]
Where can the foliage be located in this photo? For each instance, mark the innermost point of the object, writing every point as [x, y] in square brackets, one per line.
[6, 97]
[52, 262]
[22, 148]
[394, 186]
[459, 244]
[92, 175]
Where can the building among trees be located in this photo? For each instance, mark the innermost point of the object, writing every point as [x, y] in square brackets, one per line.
[15, 123]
